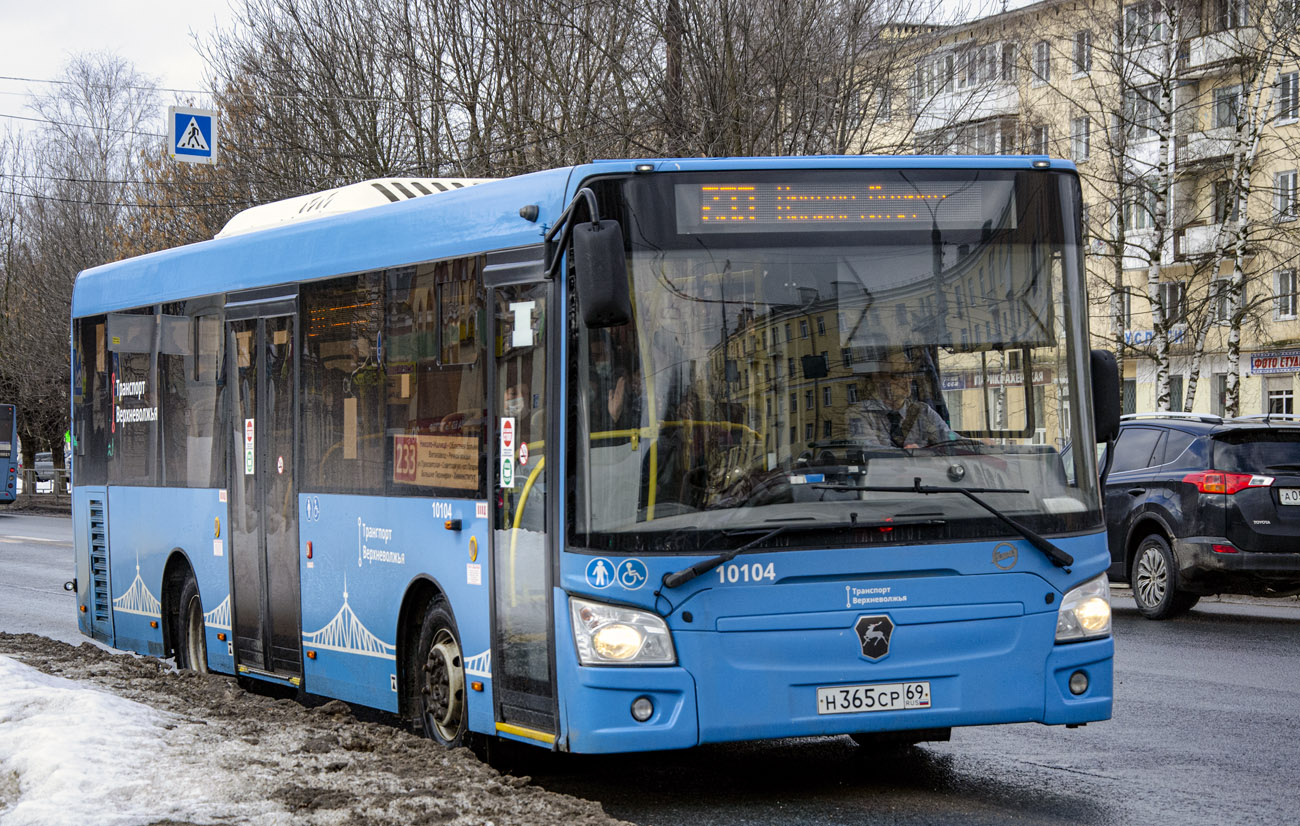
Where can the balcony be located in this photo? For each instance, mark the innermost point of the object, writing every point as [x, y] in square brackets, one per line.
[1209, 145]
[964, 105]
[1201, 240]
[1214, 52]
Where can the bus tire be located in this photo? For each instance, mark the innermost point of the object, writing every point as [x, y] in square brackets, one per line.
[1154, 580]
[191, 634]
[440, 709]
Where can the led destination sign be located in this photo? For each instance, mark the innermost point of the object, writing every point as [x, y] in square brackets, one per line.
[817, 206]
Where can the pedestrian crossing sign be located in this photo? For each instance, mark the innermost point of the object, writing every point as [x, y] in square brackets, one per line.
[192, 134]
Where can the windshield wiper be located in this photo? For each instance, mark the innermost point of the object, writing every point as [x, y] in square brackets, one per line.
[1059, 558]
[687, 574]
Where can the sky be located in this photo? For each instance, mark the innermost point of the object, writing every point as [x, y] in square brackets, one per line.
[38, 36]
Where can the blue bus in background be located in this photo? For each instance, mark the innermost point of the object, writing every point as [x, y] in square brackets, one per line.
[627, 456]
[9, 458]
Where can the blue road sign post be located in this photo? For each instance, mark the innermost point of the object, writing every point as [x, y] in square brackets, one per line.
[192, 134]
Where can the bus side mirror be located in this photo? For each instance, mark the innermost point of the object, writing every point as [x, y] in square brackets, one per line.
[601, 269]
[1105, 395]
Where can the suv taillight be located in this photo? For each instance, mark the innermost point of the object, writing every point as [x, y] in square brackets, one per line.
[1217, 481]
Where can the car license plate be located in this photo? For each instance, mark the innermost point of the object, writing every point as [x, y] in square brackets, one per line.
[853, 699]
[1289, 496]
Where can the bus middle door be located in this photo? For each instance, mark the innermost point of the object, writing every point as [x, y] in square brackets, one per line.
[264, 578]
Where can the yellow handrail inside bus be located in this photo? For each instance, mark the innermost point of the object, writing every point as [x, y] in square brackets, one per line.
[514, 528]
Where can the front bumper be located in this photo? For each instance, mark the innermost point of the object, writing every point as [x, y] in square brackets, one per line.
[762, 684]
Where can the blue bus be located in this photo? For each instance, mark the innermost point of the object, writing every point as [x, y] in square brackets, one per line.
[633, 455]
[9, 458]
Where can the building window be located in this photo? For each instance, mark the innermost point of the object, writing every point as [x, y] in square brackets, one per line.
[1173, 298]
[1082, 52]
[1038, 141]
[1280, 400]
[1225, 202]
[1176, 393]
[1079, 138]
[1227, 106]
[1140, 208]
[808, 431]
[1219, 400]
[1142, 23]
[851, 393]
[1288, 96]
[803, 329]
[794, 406]
[826, 428]
[1220, 305]
[1284, 195]
[1232, 14]
[1141, 113]
[1126, 309]
[808, 400]
[1009, 71]
[826, 396]
[1284, 294]
[1128, 396]
[1042, 61]
[821, 326]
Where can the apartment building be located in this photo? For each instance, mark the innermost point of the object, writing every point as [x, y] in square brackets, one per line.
[1184, 121]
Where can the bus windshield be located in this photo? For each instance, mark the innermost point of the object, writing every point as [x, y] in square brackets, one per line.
[801, 340]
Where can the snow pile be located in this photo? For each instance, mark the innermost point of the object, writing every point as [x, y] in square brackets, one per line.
[134, 742]
[71, 754]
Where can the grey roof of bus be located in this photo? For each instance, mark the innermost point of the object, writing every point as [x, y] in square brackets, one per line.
[396, 234]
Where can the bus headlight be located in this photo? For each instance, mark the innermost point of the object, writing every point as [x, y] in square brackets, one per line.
[615, 635]
[1085, 612]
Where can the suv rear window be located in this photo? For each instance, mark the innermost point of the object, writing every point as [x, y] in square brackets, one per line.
[1257, 451]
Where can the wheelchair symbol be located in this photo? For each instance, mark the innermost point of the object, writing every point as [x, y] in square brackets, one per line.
[631, 574]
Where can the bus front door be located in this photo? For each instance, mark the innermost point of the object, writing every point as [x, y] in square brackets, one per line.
[263, 492]
[523, 673]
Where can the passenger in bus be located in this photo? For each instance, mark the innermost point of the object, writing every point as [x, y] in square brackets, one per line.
[895, 417]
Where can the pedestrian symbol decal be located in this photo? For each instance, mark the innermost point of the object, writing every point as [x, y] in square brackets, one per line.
[631, 574]
[600, 572]
[193, 138]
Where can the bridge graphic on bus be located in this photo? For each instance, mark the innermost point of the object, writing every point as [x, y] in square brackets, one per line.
[137, 599]
[479, 665]
[219, 617]
[346, 633]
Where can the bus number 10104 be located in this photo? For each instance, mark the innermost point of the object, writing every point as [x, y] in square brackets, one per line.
[754, 572]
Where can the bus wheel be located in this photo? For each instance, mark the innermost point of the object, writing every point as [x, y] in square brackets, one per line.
[441, 678]
[191, 636]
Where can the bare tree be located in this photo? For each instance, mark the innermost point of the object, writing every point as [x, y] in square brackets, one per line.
[73, 179]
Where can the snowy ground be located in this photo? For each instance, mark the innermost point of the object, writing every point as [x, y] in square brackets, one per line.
[89, 736]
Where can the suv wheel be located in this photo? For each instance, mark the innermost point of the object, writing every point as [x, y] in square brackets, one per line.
[1155, 581]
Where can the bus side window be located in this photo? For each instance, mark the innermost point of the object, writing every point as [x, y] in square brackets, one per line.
[435, 353]
[91, 399]
[343, 385]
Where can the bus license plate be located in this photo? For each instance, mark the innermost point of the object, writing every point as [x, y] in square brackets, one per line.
[1289, 496]
[853, 699]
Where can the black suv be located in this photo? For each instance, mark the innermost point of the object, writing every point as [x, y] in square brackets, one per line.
[1198, 505]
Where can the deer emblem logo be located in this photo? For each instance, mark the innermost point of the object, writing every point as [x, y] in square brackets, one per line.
[874, 633]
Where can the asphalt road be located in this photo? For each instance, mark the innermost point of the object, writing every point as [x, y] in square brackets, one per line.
[1206, 731]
